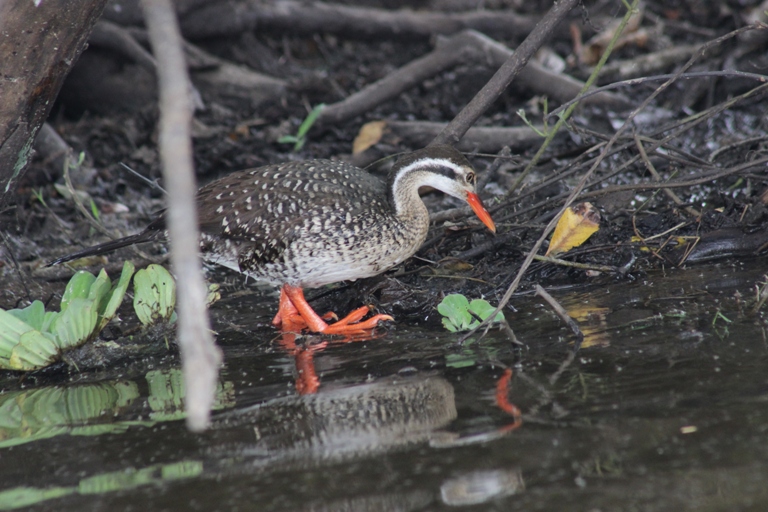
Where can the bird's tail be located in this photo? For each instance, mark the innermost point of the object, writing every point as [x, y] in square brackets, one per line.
[148, 235]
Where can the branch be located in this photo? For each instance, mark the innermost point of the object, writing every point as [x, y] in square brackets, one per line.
[506, 73]
[200, 357]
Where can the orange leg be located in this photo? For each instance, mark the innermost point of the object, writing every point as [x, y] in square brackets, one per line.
[295, 310]
[293, 319]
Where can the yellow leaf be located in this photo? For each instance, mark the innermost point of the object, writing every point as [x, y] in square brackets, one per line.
[369, 135]
[576, 225]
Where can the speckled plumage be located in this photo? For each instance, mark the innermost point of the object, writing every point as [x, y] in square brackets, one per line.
[304, 223]
[315, 222]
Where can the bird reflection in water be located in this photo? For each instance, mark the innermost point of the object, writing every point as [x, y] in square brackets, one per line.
[308, 382]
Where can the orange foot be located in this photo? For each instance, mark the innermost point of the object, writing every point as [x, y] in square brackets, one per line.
[296, 312]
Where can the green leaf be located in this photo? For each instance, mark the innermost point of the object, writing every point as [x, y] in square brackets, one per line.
[483, 309]
[109, 307]
[34, 351]
[99, 289]
[448, 324]
[455, 309]
[167, 290]
[309, 121]
[50, 316]
[458, 311]
[11, 329]
[77, 288]
[75, 325]
[300, 138]
[33, 315]
[154, 294]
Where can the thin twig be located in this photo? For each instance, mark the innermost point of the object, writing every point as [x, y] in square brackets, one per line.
[569, 110]
[574, 264]
[506, 73]
[652, 169]
[574, 194]
[152, 183]
[658, 78]
[95, 223]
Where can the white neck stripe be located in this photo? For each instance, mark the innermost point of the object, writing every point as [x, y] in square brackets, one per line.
[426, 162]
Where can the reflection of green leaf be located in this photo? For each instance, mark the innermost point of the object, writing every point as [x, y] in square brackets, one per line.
[102, 483]
[462, 360]
[183, 469]
[117, 480]
[470, 353]
[41, 413]
[19, 497]
[167, 392]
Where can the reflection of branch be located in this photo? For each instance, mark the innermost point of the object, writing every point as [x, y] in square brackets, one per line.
[546, 395]
[562, 313]
[200, 357]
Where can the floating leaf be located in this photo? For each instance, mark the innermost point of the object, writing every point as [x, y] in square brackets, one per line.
[113, 300]
[75, 326]
[154, 294]
[77, 288]
[11, 329]
[34, 351]
[99, 289]
[455, 309]
[33, 315]
[50, 316]
[576, 225]
[368, 135]
[458, 312]
[483, 309]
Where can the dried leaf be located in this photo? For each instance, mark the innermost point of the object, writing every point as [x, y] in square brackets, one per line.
[369, 135]
[576, 225]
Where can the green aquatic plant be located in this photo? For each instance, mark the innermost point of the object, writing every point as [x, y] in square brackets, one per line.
[154, 296]
[32, 338]
[459, 314]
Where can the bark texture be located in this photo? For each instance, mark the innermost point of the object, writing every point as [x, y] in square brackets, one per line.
[39, 42]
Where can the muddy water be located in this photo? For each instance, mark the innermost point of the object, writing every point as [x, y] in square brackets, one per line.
[663, 408]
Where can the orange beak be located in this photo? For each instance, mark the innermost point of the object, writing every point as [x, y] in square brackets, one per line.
[477, 206]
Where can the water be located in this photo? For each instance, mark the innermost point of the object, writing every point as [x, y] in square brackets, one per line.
[663, 408]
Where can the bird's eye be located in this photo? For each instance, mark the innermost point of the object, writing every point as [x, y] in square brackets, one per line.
[470, 177]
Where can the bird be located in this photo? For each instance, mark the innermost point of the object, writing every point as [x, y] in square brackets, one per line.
[306, 224]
